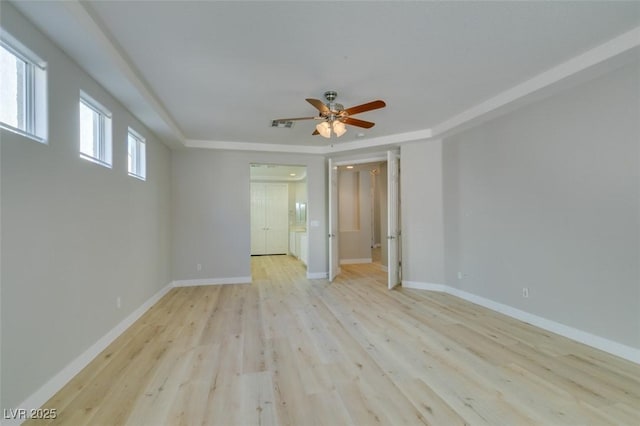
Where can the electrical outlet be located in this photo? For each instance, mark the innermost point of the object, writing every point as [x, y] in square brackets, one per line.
[525, 291]
[118, 302]
[199, 267]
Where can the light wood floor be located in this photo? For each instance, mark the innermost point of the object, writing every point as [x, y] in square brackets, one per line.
[288, 351]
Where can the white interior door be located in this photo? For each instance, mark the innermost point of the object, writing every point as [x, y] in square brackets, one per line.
[333, 221]
[269, 218]
[258, 219]
[393, 228]
[277, 218]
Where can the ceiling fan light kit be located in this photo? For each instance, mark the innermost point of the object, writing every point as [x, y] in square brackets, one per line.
[339, 128]
[335, 117]
[324, 129]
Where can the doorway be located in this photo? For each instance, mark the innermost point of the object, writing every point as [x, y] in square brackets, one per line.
[279, 210]
[362, 201]
[364, 214]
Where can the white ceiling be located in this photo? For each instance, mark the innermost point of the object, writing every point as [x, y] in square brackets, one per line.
[214, 74]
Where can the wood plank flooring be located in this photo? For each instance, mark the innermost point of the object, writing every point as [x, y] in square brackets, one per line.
[288, 351]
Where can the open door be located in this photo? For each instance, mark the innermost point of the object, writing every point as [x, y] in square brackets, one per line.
[333, 221]
[393, 225]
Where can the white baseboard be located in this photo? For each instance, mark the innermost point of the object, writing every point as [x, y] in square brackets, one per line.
[46, 391]
[423, 286]
[211, 281]
[618, 349]
[354, 261]
[42, 395]
[317, 275]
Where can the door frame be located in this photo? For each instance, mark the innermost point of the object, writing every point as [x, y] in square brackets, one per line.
[393, 219]
[337, 162]
[278, 164]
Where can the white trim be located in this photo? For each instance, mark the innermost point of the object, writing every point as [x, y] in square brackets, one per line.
[116, 57]
[317, 275]
[367, 158]
[211, 281]
[618, 349]
[354, 261]
[255, 146]
[598, 55]
[584, 61]
[172, 135]
[416, 285]
[15, 130]
[36, 108]
[522, 91]
[46, 391]
[381, 141]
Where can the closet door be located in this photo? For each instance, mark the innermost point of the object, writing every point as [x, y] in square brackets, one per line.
[277, 218]
[258, 219]
[269, 218]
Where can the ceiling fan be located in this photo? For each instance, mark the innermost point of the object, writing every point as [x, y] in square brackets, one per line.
[334, 116]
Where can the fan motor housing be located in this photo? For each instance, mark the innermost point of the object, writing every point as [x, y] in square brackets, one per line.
[330, 95]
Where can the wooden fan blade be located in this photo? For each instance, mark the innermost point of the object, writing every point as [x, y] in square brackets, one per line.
[356, 122]
[315, 132]
[320, 106]
[295, 119]
[365, 107]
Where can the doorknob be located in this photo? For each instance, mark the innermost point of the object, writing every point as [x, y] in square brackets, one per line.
[391, 237]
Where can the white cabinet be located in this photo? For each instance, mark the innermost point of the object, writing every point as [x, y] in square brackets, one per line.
[293, 249]
[303, 248]
[298, 245]
[269, 218]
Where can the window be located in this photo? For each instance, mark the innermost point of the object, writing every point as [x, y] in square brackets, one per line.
[137, 156]
[22, 90]
[95, 131]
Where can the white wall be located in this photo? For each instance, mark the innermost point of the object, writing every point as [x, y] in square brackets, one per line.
[422, 212]
[75, 235]
[548, 197]
[211, 212]
[355, 215]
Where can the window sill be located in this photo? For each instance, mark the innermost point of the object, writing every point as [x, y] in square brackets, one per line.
[23, 133]
[95, 160]
[142, 178]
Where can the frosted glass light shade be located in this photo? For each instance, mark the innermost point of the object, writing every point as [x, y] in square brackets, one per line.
[339, 128]
[324, 129]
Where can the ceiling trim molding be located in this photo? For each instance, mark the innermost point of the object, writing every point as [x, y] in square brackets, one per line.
[364, 160]
[338, 147]
[254, 146]
[598, 55]
[485, 110]
[588, 59]
[591, 58]
[380, 141]
[88, 19]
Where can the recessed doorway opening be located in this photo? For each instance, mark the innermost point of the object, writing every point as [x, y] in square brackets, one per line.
[279, 210]
[364, 219]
